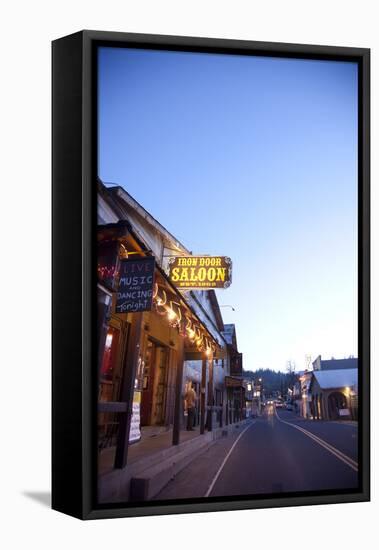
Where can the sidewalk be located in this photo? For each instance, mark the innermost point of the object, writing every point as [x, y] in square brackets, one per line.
[165, 465]
[154, 461]
[195, 480]
[150, 444]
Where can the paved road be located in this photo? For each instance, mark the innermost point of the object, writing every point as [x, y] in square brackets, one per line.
[341, 434]
[282, 453]
[278, 452]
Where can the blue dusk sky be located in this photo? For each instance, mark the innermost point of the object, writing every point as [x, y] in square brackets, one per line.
[253, 158]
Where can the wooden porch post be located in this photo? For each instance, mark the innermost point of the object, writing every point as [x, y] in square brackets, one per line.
[221, 411]
[324, 403]
[104, 302]
[178, 393]
[127, 390]
[202, 394]
[210, 395]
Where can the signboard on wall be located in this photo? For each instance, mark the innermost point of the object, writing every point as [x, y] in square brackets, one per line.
[231, 382]
[200, 272]
[136, 283]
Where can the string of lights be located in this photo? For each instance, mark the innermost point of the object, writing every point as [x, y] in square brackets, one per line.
[181, 321]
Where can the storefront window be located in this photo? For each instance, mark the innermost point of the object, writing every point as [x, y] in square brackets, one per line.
[108, 263]
[109, 390]
[109, 381]
[154, 382]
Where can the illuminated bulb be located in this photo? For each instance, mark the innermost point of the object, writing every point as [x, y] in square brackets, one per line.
[161, 300]
[191, 334]
[123, 252]
[108, 340]
[171, 315]
[208, 352]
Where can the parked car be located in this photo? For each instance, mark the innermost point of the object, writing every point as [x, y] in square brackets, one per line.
[279, 404]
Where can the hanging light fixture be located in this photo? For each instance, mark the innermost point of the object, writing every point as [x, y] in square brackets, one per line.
[171, 314]
[160, 303]
[161, 300]
[190, 331]
[122, 252]
[155, 290]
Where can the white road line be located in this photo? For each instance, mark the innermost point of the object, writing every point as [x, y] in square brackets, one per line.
[336, 452]
[225, 459]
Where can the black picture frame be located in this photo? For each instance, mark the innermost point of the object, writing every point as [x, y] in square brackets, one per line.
[74, 172]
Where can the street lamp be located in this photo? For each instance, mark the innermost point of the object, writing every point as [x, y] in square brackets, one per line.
[226, 305]
[261, 385]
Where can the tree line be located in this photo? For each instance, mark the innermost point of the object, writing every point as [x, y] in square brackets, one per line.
[272, 381]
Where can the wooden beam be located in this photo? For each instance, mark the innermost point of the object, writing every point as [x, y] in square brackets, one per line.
[127, 390]
[210, 395]
[178, 393]
[202, 394]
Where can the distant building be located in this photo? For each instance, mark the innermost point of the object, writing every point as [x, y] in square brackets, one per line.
[235, 389]
[334, 394]
[258, 397]
[249, 396]
[335, 364]
[329, 391]
[305, 398]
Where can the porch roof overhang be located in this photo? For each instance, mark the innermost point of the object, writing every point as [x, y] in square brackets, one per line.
[334, 379]
[193, 354]
[123, 232]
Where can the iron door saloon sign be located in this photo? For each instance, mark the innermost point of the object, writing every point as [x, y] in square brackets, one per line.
[203, 272]
[136, 283]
